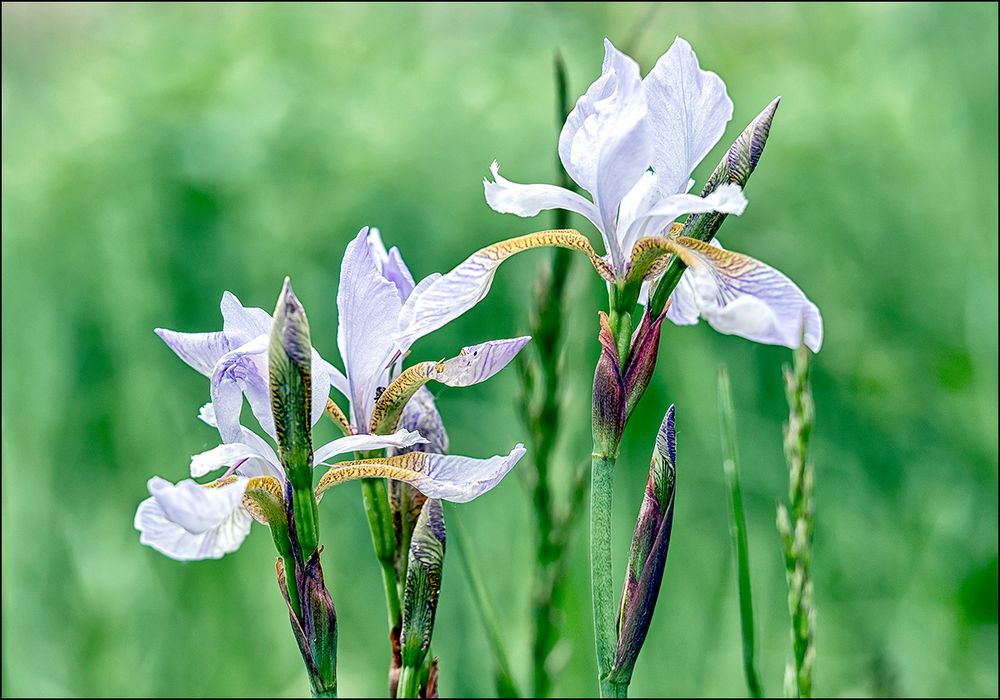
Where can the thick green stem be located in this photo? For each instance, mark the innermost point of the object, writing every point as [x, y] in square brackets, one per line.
[610, 689]
[409, 682]
[376, 499]
[306, 518]
[602, 583]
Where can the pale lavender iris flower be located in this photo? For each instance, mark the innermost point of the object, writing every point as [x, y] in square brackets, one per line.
[632, 143]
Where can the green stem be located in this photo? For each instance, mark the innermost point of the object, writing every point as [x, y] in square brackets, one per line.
[306, 518]
[602, 585]
[376, 500]
[409, 682]
[610, 689]
[325, 693]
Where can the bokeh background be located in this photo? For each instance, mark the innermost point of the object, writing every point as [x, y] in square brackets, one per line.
[156, 155]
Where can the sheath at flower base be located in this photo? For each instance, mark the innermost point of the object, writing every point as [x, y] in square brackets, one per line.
[632, 144]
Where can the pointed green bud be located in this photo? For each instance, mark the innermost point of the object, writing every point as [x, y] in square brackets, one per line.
[735, 167]
[608, 405]
[289, 365]
[648, 555]
[320, 624]
[423, 585]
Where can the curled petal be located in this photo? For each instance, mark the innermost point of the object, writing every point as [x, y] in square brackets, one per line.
[437, 301]
[251, 456]
[688, 112]
[186, 521]
[448, 477]
[240, 323]
[199, 350]
[244, 370]
[401, 439]
[509, 197]
[741, 296]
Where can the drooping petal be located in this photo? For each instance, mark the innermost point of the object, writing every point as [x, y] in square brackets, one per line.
[401, 439]
[391, 264]
[688, 112]
[242, 371]
[368, 305]
[242, 324]
[739, 295]
[605, 143]
[186, 521]
[509, 197]
[448, 477]
[199, 350]
[727, 198]
[439, 300]
[477, 363]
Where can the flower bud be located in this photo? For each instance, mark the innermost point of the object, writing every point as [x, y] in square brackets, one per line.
[641, 359]
[648, 554]
[609, 393]
[316, 632]
[289, 366]
[423, 584]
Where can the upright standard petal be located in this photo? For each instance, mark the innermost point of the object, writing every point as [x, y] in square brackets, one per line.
[605, 142]
[368, 305]
[688, 112]
[509, 197]
[448, 477]
[186, 521]
[390, 264]
[741, 296]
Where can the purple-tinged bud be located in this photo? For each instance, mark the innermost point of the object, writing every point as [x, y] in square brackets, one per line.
[316, 631]
[648, 554]
[641, 359]
[609, 393]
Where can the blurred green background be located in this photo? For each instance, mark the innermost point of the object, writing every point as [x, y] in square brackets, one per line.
[156, 155]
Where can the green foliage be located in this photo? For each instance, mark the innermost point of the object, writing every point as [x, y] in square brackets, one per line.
[156, 155]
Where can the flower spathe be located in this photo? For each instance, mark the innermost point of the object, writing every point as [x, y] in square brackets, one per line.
[632, 143]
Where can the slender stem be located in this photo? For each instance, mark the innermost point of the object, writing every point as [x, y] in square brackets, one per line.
[605, 634]
[738, 530]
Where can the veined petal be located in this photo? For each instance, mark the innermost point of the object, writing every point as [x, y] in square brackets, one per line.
[401, 439]
[421, 414]
[243, 370]
[688, 112]
[391, 264]
[189, 522]
[199, 350]
[509, 197]
[242, 324]
[474, 364]
[449, 477]
[741, 296]
[438, 300]
[368, 306]
[604, 144]
[477, 363]
[727, 198]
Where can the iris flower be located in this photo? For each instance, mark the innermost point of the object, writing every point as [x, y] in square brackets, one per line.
[632, 143]
[189, 521]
